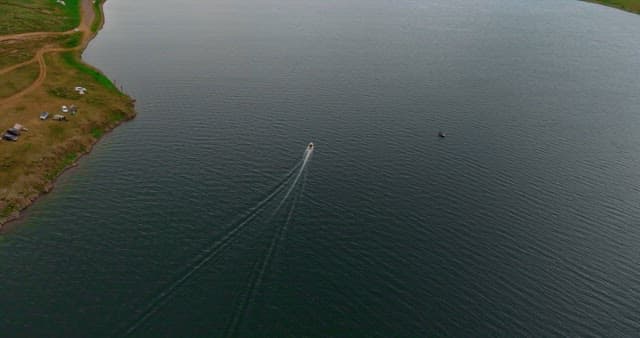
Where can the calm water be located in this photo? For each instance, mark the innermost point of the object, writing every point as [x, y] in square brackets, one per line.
[525, 220]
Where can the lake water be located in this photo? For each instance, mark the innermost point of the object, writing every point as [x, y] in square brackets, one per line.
[199, 218]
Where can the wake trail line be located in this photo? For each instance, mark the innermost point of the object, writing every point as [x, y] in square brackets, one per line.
[213, 251]
[305, 160]
[257, 275]
[296, 199]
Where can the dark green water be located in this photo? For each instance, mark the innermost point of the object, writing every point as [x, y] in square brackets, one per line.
[523, 221]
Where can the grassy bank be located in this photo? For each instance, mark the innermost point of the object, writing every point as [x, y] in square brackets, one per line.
[627, 5]
[72, 60]
[18, 79]
[21, 16]
[99, 20]
[29, 166]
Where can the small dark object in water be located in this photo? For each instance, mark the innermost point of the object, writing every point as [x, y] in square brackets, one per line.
[442, 134]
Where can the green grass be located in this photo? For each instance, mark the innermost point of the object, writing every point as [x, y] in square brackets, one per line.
[72, 60]
[95, 25]
[97, 132]
[17, 51]
[18, 79]
[7, 210]
[73, 40]
[13, 53]
[64, 92]
[57, 130]
[67, 160]
[6, 164]
[26, 147]
[21, 16]
[28, 167]
[116, 116]
[72, 10]
[627, 5]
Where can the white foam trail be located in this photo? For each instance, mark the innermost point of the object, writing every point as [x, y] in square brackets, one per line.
[256, 280]
[305, 159]
[208, 254]
[296, 198]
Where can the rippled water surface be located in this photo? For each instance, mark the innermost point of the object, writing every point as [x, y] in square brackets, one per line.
[201, 217]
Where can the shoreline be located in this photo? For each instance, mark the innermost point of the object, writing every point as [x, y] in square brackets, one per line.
[619, 6]
[5, 225]
[91, 23]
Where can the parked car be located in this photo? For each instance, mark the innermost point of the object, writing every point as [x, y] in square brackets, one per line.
[64, 109]
[13, 131]
[9, 137]
[44, 115]
[59, 117]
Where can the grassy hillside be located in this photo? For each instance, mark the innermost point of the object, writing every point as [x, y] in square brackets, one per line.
[38, 72]
[627, 5]
[20, 16]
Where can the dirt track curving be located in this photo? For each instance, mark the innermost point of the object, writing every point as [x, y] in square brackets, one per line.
[16, 66]
[88, 16]
[41, 76]
[33, 35]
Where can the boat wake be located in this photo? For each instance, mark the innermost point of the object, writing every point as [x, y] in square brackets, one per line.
[217, 247]
[257, 274]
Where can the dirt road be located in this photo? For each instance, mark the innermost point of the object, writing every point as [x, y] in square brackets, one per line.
[88, 15]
